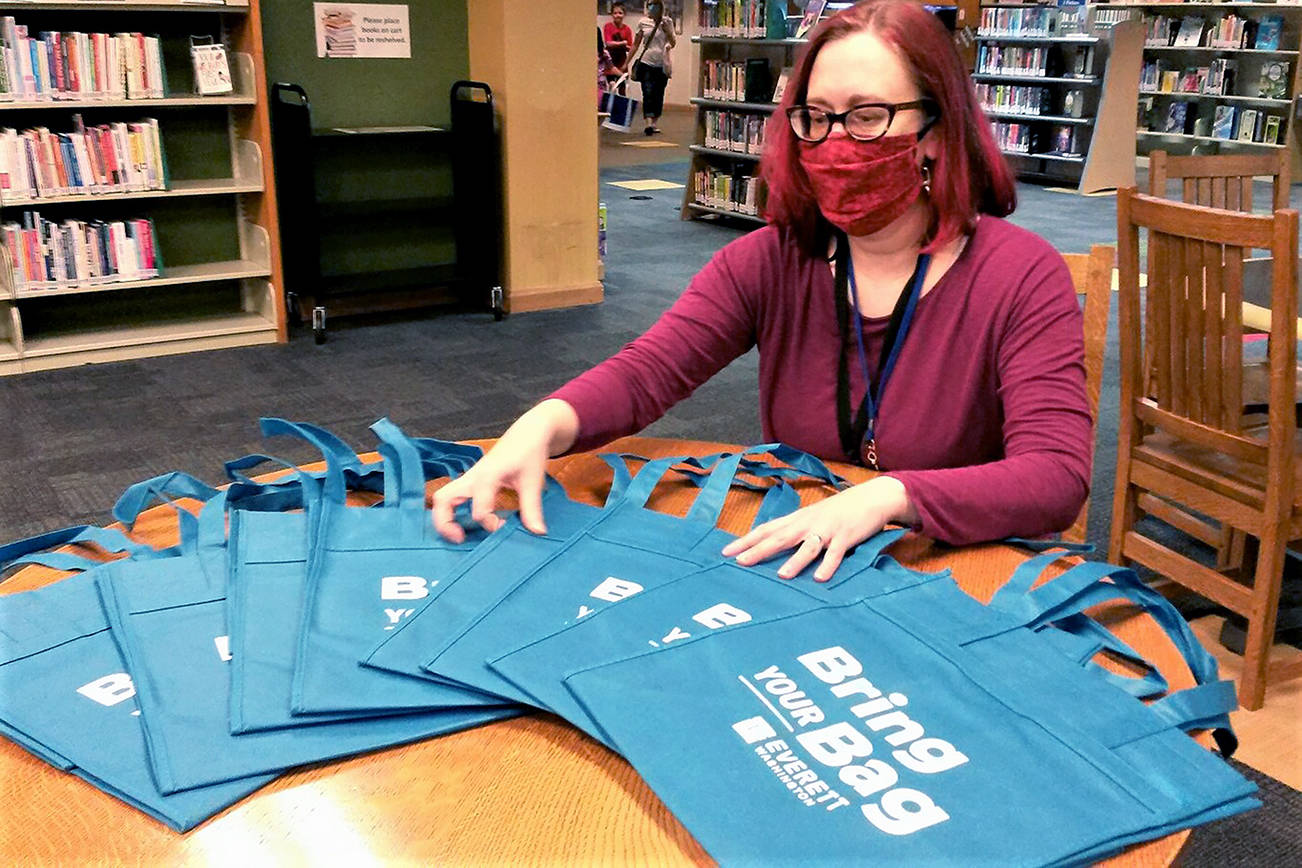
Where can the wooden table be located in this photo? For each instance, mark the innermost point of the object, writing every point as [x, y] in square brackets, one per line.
[532, 790]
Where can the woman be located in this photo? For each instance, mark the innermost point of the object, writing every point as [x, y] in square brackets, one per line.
[651, 67]
[886, 193]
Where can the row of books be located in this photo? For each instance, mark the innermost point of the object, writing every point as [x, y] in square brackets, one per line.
[1217, 78]
[79, 66]
[108, 158]
[1031, 21]
[734, 131]
[1230, 31]
[1227, 122]
[730, 191]
[723, 79]
[1058, 60]
[80, 253]
[1015, 98]
[1059, 140]
[744, 18]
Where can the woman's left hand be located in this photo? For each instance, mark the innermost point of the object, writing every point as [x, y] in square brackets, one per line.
[836, 524]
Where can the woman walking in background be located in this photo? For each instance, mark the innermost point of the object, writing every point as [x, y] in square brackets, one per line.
[651, 65]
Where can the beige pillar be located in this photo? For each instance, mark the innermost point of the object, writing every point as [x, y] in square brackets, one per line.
[540, 60]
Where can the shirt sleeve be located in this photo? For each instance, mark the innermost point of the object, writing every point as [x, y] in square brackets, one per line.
[712, 323]
[1040, 484]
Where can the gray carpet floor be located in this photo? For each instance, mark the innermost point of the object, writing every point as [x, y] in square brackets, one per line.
[73, 439]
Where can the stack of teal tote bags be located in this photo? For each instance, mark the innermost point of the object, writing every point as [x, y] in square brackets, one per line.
[884, 715]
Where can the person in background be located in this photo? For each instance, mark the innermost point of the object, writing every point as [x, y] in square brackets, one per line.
[619, 38]
[651, 64]
[901, 322]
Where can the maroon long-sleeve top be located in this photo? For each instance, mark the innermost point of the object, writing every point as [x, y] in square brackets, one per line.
[984, 420]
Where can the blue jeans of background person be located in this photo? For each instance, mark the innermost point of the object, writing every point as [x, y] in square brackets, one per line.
[653, 91]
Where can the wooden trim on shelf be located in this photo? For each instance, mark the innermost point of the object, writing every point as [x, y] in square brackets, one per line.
[734, 105]
[525, 300]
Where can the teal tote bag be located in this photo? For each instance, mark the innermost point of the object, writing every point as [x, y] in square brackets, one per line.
[850, 735]
[512, 551]
[65, 694]
[625, 550]
[168, 621]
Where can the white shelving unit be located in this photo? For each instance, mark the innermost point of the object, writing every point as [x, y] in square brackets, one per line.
[221, 301]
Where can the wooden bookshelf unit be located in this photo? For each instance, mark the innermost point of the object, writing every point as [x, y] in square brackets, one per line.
[215, 220]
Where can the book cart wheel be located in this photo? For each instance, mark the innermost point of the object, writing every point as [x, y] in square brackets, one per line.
[318, 324]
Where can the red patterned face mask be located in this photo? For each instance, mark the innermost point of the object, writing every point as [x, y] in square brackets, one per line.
[863, 187]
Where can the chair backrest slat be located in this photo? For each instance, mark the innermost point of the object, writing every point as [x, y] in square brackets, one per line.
[1189, 368]
[1213, 335]
[1232, 368]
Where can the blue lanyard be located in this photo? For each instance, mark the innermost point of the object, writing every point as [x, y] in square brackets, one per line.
[873, 392]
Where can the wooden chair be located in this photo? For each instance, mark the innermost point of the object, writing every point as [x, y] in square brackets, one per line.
[1220, 180]
[1186, 439]
[1091, 274]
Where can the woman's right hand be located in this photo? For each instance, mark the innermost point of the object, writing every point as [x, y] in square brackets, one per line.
[517, 461]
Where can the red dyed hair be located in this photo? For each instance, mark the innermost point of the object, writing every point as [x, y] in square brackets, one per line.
[969, 176]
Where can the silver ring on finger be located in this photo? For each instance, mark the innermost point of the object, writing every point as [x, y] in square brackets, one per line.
[814, 538]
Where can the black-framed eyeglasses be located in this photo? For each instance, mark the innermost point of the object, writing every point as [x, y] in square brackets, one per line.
[864, 122]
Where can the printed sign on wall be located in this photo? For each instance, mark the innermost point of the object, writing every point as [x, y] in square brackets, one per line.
[361, 30]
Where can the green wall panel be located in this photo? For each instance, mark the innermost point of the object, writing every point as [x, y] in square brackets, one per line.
[370, 91]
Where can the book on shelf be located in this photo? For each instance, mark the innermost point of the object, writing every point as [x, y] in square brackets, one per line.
[1176, 115]
[1063, 141]
[212, 69]
[78, 66]
[1220, 77]
[759, 80]
[780, 87]
[1223, 122]
[1144, 116]
[1272, 129]
[1170, 81]
[80, 253]
[727, 191]
[813, 12]
[1247, 129]
[1073, 103]
[1190, 33]
[1269, 29]
[1273, 83]
[109, 158]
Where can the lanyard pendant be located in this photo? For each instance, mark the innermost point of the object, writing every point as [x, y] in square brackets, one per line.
[868, 452]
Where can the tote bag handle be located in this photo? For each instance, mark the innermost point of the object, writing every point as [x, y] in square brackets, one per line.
[31, 550]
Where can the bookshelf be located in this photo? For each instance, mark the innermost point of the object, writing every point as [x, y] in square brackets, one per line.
[214, 220]
[1058, 85]
[1218, 80]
